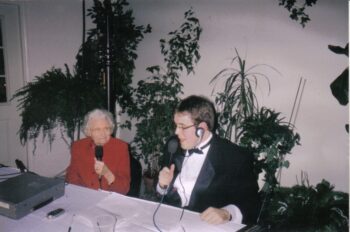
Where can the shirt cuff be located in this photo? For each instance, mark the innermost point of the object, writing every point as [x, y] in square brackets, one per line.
[235, 213]
[161, 190]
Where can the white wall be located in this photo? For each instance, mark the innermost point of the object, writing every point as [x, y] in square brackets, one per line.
[263, 34]
[52, 36]
[260, 30]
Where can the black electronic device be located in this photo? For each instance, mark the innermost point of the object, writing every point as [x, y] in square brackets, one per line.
[199, 132]
[55, 213]
[99, 153]
[27, 192]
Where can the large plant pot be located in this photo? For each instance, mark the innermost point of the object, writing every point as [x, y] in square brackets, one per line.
[149, 183]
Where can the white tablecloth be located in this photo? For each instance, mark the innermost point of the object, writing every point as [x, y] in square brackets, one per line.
[83, 205]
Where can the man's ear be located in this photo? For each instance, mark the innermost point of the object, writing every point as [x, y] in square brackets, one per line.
[203, 125]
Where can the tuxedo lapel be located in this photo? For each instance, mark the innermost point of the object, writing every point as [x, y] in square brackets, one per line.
[205, 177]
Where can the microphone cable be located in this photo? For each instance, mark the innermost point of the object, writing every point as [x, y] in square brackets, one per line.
[184, 192]
[161, 202]
[172, 147]
[155, 212]
[162, 199]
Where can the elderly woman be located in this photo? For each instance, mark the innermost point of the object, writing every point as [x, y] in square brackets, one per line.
[112, 171]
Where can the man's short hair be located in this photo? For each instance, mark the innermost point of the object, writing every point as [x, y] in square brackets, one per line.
[201, 110]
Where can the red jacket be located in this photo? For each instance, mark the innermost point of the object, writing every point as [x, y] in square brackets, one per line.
[115, 156]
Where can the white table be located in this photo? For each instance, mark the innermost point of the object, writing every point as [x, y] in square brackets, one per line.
[83, 205]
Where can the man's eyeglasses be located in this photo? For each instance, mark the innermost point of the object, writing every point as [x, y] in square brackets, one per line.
[184, 127]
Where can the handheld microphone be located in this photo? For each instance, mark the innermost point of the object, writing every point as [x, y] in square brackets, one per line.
[99, 156]
[173, 144]
[99, 153]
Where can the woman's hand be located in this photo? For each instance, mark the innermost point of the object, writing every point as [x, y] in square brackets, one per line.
[101, 169]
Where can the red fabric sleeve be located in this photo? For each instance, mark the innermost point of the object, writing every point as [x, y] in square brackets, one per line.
[116, 157]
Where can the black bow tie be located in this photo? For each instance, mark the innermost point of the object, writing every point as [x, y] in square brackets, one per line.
[198, 150]
[195, 150]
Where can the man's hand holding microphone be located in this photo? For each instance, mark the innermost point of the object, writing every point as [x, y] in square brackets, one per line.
[166, 175]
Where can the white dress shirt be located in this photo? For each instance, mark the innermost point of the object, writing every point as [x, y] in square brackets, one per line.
[186, 179]
[191, 166]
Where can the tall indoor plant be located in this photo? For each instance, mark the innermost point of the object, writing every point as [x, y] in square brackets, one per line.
[156, 97]
[237, 100]
[110, 50]
[259, 130]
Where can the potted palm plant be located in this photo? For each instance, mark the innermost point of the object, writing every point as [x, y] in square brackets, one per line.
[237, 100]
[259, 130]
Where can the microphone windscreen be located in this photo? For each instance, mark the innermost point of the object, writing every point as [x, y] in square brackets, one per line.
[99, 152]
[173, 144]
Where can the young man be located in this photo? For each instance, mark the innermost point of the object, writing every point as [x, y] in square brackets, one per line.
[210, 175]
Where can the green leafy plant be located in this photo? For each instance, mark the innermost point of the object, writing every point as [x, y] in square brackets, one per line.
[114, 23]
[237, 100]
[307, 208]
[340, 86]
[156, 97]
[297, 10]
[52, 101]
[261, 131]
[59, 98]
[269, 138]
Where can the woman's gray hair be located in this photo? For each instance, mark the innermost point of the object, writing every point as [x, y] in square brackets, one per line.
[97, 114]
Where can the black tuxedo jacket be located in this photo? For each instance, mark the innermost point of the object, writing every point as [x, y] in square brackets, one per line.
[226, 177]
